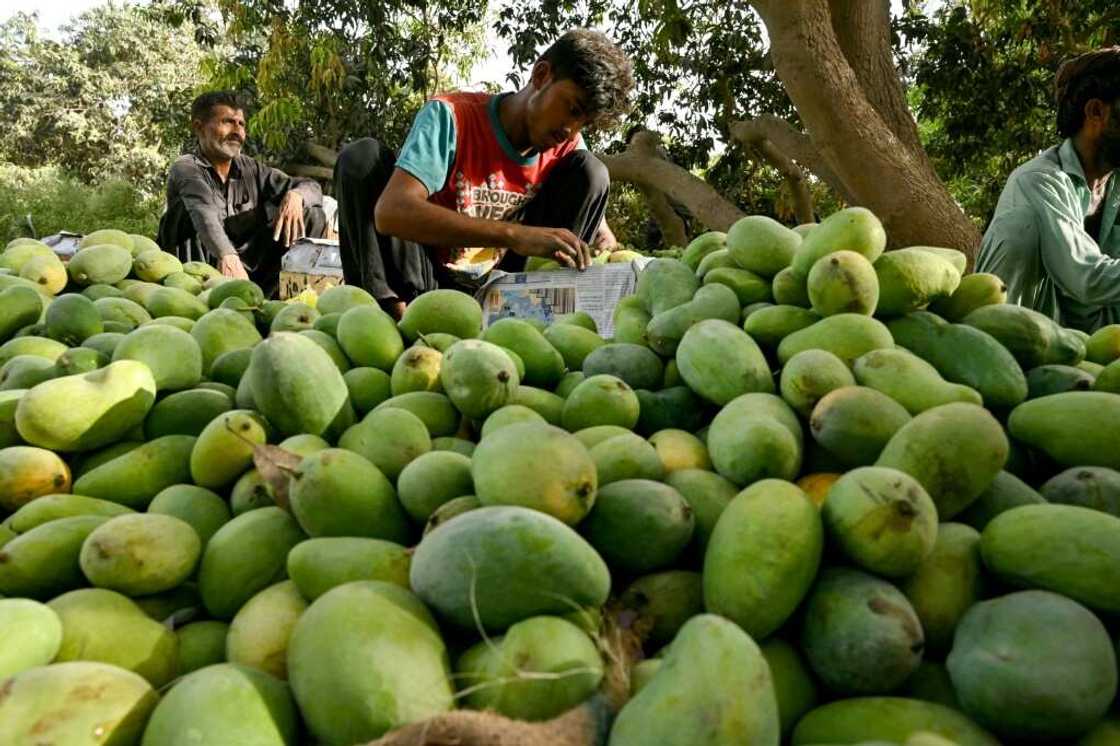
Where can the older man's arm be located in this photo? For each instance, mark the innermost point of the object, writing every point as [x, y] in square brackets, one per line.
[190, 184]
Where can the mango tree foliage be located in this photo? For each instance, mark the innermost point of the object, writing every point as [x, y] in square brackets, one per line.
[110, 98]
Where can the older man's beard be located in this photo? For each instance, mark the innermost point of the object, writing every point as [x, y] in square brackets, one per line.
[228, 148]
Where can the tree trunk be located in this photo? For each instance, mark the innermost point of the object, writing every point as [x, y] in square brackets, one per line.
[312, 172]
[645, 165]
[323, 154]
[877, 167]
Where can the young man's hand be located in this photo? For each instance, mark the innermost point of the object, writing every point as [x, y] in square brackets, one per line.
[289, 221]
[555, 243]
[230, 265]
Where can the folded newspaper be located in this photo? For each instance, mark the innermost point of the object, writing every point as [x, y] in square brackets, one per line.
[546, 295]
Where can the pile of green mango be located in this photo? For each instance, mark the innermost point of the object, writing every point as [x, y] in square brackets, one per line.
[849, 495]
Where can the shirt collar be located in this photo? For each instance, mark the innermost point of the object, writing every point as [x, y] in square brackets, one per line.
[234, 166]
[503, 139]
[1070, 161]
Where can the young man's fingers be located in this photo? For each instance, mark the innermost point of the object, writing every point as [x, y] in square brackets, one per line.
[564, 258]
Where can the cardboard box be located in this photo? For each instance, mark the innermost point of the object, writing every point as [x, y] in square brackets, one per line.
[310, 263]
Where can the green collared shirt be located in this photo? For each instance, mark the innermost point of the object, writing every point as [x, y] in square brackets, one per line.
[1038, 246]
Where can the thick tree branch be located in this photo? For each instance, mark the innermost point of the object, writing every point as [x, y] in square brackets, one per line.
[672, 227]
[794, 177]
[644, 165]
[793, 144]
[864, 33]
[324, 155]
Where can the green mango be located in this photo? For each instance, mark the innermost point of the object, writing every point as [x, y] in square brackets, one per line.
[30, 635]
[101, 625]
[117, 715]
[954, 451]
[245, 556]
[665, 284]
[294, 317]
[846, 335]
[84, 412]
[183, 281]
[909, 380]
[246, 290]
[573, 342]
[200, 508]
[747, 286]
[1088, 486]
[368, 387]
[442, 311]
[701, 246]
[638, 507]
[72, 318]
[221, 331]
[104, 343]
[714, 260]
[946, 584]
[630, 319]
[545, 403]
[259, 633]
[843, 282]
[388, 439]
[107, 236]
[1033, 665]
[336, 492]
[224, 448]
[673, 407]
[105, 264]
[769, 326]
[15, 255]
[297, 387]
[811, 374]
[122, 310]
[975, 291]
[965, 355]
[1077, 428]
[1005, 492]
[510, 414]
[1055, 379]
[26, 371]
[790, 289]
[507, 470]
[719, 362]
[52, 507]
[224, 701]
[894, 719]
[1067, 549]
[600, 400]
[544, 365]
[708, 494]
[771, 526]
[140, 553]
[762, 245]
[794, 686]
[478, 377]
[712, 301]
[38, 346]
[19, 307]
[152, 265]
[756, 436]
[910, 279]
[369, 337]
[97, 292]
[417, 369]
[1032, 338]
[185, 413]
[432, 479]
[638, 366]
[713, 687]
[173, 356]
[665, 600]
[851, 229]
[539, 669]
[318, 565]
[354, 629]
[882, 520]
[855, 424]
[80, 360]
[860, 634]
[341, 298]
[435, 410]
[508, 581]
[230, 366]
[165, 301]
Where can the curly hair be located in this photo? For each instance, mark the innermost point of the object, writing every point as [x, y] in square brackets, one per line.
[594, 63]
[203, 106]
[1087, 76]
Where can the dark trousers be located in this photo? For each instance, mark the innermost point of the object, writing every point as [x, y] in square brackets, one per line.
[574, 196]
[251, 234]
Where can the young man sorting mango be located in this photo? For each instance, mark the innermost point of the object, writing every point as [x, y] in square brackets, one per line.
[485, 181]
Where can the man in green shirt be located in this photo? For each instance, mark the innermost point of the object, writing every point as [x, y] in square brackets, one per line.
[1054, 238]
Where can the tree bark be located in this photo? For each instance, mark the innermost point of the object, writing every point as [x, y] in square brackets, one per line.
[793, 144]
[791, 172]
[645, 165]
[323, 154]
[877, 167]
[863, 30]
[672, 227]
